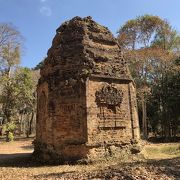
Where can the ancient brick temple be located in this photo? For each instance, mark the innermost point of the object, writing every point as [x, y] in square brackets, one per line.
[86, 96]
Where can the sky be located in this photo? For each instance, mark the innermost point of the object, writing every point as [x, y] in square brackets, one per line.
[37, 20]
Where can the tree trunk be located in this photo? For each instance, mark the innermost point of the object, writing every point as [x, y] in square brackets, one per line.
[30, 123]
[21, 124]
[9, 71]
[27, 130]
[144, 119]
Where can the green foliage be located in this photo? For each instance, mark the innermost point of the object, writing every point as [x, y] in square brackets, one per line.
[18, 94]
[9, 127]
[10, 136]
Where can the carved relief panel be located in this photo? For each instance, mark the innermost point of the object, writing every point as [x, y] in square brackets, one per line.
[109, 100]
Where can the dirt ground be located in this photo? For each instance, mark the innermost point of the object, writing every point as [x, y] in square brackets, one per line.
[160, 162]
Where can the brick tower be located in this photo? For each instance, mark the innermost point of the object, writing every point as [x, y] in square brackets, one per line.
[86, 96]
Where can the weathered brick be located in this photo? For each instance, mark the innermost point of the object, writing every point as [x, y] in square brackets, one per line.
[86, 96]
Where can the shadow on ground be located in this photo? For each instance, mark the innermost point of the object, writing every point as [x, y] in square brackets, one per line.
[18, 160]
[18, 138]
[29, 147]
[154, 169]
[167, 167]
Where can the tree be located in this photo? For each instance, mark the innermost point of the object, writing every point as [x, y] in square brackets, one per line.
[9, 35]
[17, 88]
[27, 80]
[10, 47]
[10, 57]
[8, 98]
[19, 98]
[149, 43]
[165, 101]
[140, 32]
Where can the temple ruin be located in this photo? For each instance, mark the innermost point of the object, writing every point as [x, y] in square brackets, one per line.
[86, 95]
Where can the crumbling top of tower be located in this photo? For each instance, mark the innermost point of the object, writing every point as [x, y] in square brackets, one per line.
[82, 48]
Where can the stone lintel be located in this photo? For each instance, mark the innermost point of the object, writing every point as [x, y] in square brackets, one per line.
[110, 79]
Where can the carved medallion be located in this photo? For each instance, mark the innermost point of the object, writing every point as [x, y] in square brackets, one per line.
[109, 95]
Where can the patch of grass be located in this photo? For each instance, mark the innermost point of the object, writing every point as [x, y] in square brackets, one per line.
[172, 149]
[163, 151]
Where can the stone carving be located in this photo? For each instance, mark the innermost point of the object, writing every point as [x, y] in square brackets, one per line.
[89, 94]
[109, 95]
[109, 99]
